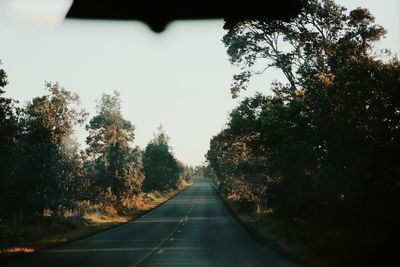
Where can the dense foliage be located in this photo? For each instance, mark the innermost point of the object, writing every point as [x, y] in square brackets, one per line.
[322, 148]
[161, 169]
[43, 172]
[116, 167]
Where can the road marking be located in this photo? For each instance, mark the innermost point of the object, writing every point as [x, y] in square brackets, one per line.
[105, 232]
[84, 250]
[117, 240]
[158, 247]
[157, 220]
[147, 214]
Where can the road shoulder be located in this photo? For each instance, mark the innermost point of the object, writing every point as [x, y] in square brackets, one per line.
[259, 232]
[74, 229]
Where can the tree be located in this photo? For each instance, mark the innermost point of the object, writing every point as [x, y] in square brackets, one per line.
[301, 47]
[238, 155]
[43, 173]
[312, 127]
[326, 141]
[9, 137]
[116, 165]
[328, 151]
[161, 170]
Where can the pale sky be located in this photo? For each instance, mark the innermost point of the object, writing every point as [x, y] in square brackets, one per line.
[179, 78]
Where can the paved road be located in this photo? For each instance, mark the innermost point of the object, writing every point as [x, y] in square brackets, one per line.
[192, 229]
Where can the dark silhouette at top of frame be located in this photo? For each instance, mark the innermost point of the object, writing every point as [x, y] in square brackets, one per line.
[157, 13]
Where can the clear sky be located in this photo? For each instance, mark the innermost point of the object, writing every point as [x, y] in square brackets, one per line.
[179, 78]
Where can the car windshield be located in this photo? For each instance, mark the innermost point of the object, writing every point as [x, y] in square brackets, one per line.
[215, 142]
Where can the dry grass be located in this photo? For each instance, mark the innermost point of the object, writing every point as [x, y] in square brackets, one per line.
[50, 231]
[15, 250]
[289, 238]
[182, 184]
[148, 201]
[99, 218]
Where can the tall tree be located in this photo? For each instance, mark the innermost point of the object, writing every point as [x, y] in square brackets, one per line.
[49, 122]
[302, 46]
[116, 164]
[10, 131]
[160, 167]
[328, 137]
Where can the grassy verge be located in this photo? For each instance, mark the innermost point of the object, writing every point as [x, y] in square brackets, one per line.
[47, 232]
[288, 238]
[312, 246]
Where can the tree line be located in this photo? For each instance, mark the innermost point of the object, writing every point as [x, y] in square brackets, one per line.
[322, 149]
[43, 169]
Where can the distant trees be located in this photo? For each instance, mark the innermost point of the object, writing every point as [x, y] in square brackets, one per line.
[160, 167]
[44, 171]
[325, 142]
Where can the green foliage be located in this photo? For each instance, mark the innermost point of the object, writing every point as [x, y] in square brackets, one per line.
[48, 123]
[116, 167]
[162, 171]
[9, 137]
[236, 154]
[44, 173]
[302, 46]
[40, 158]
[326, 142]
[108, 126]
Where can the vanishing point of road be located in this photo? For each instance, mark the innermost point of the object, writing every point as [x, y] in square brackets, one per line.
[193, 228]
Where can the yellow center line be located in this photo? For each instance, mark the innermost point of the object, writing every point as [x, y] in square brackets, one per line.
[158, 247]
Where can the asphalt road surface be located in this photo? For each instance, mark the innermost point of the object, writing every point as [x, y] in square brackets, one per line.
[192, 229]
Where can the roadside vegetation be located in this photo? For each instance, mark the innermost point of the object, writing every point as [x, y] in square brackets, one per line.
[313, 167]
[53, 191]
[49, 231]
